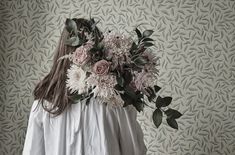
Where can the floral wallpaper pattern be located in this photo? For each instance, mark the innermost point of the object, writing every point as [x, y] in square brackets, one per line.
[194, 38]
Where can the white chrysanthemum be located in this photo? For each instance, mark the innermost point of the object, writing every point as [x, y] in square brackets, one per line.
[105, 89]
[76, 79]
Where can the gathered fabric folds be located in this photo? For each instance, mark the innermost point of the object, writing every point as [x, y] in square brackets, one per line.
[93, 129]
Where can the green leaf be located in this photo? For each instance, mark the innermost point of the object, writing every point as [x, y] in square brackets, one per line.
[88, 99]
[140, 61]
[139, 105]
[127, 76]
[118, 87]
[151, 92]
[147, 33]
[138, 33]
[130, 92]
[94, 25]
[120, 80]
[76, 98]
[126, 104]
[172, 123]
[133, 46]
[127, 100]
[171, 113]
[71, 26]
[157, 117]
[163, 102]
[147, 39]
[100, 46]
[73, 41]
[148, 44]
[156, 88]
[139, 94]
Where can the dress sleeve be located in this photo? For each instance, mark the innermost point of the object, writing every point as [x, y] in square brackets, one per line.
[34, 139]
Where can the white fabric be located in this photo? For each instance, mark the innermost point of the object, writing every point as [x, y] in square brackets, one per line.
[96, 129]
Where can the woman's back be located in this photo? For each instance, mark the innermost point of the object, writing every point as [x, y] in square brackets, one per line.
[93, 129]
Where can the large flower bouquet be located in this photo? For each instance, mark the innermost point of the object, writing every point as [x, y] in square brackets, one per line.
[117, 69]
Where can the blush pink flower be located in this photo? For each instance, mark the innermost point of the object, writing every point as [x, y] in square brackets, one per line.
[105, 90]
[144, 80]
[153, 61]
[80, 56]
[101, 67]
[117, 48]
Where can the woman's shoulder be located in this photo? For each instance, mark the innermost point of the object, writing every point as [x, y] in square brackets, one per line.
[37, 110]
[37, 104]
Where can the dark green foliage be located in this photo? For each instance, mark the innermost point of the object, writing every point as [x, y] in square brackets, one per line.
[172, 123]
[123, 73]
[71, 26]
[163, 102]
[156, 88]
[88, 99]
[157, 117]
[171, 113]
[151, 92]
[137, 49]
[147, 33]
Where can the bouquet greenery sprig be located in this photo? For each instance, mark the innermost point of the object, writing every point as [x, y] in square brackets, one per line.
[116, 68]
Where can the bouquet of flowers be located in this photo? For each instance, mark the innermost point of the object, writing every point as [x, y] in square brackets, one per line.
[119, 70]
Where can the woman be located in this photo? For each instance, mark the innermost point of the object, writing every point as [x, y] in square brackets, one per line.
[78, 129]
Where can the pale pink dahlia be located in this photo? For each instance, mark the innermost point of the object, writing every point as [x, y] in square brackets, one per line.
[105, 89]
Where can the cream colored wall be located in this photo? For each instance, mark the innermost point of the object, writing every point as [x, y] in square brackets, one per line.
[194, 38]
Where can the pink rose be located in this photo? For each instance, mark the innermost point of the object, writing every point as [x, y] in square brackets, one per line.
[101, 67]
[80, 56]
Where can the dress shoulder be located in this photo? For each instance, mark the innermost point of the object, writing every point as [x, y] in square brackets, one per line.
[34, 139]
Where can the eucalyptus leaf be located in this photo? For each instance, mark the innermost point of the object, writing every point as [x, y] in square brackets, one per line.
[140, 61]
[73, 41]
[148, 44]
[163, 102]
[147, 39]
[147, 33]
[71, 26]
[157, 117]
[138, 33]
[94, 25]
[172, 123]
[171, 113]
[134, 57]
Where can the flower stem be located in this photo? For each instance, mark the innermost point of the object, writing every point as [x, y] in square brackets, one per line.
[149, 106]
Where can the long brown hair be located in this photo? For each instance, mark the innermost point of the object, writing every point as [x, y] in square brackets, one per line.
[53, 86]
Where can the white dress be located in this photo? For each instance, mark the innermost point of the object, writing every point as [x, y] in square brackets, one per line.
[96, 129]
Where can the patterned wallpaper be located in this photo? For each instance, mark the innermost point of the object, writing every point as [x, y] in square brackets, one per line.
[194, 38]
